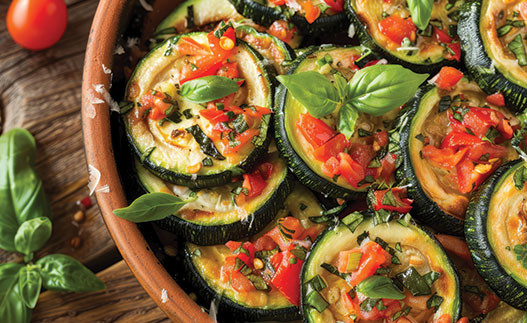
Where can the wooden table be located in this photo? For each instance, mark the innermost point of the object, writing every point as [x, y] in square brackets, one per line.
[41, 91]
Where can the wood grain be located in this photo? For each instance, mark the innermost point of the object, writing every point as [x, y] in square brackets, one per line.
[40, 91]
[124, 300]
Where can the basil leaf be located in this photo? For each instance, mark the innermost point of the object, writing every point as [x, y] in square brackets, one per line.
[348, 116]
[379, 89]
[520, 177]
[29, 284]
[21, 192]
[313, 90]
[414, 282]
[151, 207]
[518, 49]
[379, 287]
[63, 273]
[421, 12]
[32, 235]
[340, 84]
[12, 308]
[208, 88]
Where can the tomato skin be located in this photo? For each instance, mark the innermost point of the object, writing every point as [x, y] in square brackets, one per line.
[441, 36]
[448, 77]
[287, 278]
[336, 5]
[37, 24]
[281, 30]
[396, 28]
[404, 205]
[497, 99]
[456, 50]
[316, 131]
[331, 148]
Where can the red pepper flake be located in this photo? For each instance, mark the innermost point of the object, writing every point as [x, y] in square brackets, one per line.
[86, 202]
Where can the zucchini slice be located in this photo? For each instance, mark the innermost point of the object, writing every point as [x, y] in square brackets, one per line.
[265, 13]
[438, 201]
[326, 288]
[496, 236]
[194, 15]
[292, 143]
[215, 217]
[488, 30]
[175, 149]
[427, 53]
[204, 265]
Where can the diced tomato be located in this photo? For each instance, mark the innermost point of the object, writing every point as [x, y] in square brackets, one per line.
[213, 115]
[442, 36]
[312, 12]
[331, 167]
[497, 99]
[445, 318]
[343, 259]
[280, 29]
[229, 70]
[241, 283]
[266, 170]
[157, 105]
[316, 131]
[402, 204]
[336, 5]
[476, 152]
[214, 43]
[446, 158]
[396, 28]
[311, 232]
[233, 245]
[362, 154]
[199, 66]
[227, 268]
[381, 137]
[287, 277]
[505, 128]
[290, 226]
[188, 46]
[392, 306]
[277, 2]
[388, 167]
[243, 139]
[464, 319]
[350, 170]
[264, 243]
[254, 183]
[454, 51]
[276, 260]
[455, 139]
[260, 111]
[373, 256]
[479, 120]
[331, 148]
[448, 77]
[466, 176]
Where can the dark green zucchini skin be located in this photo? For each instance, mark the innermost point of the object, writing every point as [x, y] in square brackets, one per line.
[480, 65]
[488, 266]
[296, 164]
[202, 181]
[206, 235]
[366, 40]
[228, 307]
[424, 209]
[265, 16]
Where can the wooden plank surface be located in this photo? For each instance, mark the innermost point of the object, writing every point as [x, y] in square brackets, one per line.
[41, 91]
[122, 301]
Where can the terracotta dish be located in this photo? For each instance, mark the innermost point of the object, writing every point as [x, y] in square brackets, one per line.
[112, 20]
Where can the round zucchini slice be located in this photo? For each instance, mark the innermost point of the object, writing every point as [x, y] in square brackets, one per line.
[291, 140]
[217, 215]
[194, 15]
[438, 198]
[204, 265]
[335, 286]
[495, 233]
[266, 13]
[493, 37]
[178, 148]
[425, 51]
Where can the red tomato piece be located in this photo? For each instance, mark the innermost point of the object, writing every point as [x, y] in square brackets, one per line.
[243, 138]
[277, 2]
[37, 24]
[448, 77]
[254, 183]
[229, 70]
[445, 318]
[381, 137]
[497, 99]
[442, 36]
[350, 170]
[362, 154]
[402, 204]
[227, 268]
[241, 283]
[336, 5]
[455, 139]
[396, 28]
[343, 258]
[331, 148]
[446, 158]
[233, 245]
[264, 243]
[266, 170]
[476, 152]
[200, 66]
[312, 12]
[331, 167]
[388, 167]
[281, 30]
[215, 45]
[213, 115]
[454, 51]
[188, 46]
[373, 256]
[316, 131]
[287, 277]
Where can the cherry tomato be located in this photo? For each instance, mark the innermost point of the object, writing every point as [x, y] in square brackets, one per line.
[37, 24]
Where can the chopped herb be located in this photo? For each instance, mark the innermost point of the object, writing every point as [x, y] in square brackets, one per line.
[504, 30]
[389, 199]
[302, 206]
[353, 220]
[197, 252]
[299, 252]
[188, 114]
[491, 135]
[398, 247]
[190, 17]
[431, 277]
[239, 124]
[125, 107]
[445, 103]
[315, 300]
[292, 260]
[420, 137]
[146, 154]
[474, 290]
[362, 236]
[258, 282]
[374, 163]
[368, 304]
[207, 162]
[334, 270]
[520, 177]
[381, 306]
[521, 254]
[205, 143]
[403, 312]
[518, 49]
[434, 302]
[414, 282]
[364, 133]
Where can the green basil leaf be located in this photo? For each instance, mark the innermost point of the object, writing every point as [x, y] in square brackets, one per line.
[152, 207]
[29, 285]
[21, 193]
[379, 287]
[208, 88]
[348, 116]
[379, 89]
[518, 49]
[313, 90]
[340, 84]
[32, 235]
[520, 177]
[421, 12]
[12, 308]
[63, 273]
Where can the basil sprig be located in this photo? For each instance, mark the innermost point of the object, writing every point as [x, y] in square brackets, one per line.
[379, 287]
[208, 88]
[421, 12]
[152, 207]
[25, 227]
[374, 90]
